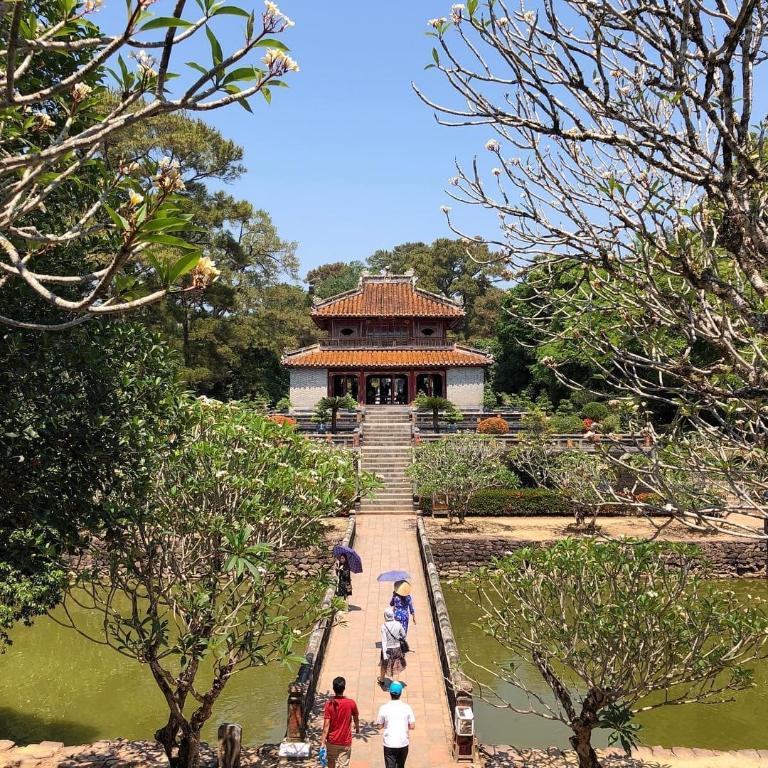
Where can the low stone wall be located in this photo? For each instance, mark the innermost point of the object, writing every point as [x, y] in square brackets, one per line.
[455, 556]
[301, 692]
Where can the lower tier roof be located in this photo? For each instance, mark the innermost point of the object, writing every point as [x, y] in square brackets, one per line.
[321, 357]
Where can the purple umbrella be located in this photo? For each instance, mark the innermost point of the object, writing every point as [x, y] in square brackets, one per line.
[394, 576]
[353, 559]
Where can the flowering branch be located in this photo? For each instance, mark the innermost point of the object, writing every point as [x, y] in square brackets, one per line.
[56, 124]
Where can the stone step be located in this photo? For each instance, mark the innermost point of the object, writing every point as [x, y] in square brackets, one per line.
[395, 446]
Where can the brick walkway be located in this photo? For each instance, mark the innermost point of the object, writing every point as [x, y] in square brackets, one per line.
[387, 542]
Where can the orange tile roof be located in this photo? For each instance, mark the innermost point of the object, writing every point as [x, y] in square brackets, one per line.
[320, 357]
[393, 296]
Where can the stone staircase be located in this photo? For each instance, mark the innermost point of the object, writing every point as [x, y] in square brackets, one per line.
[386, 452]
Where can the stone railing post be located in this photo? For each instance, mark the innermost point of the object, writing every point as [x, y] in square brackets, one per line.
[230, 736]
[464, 724]
[296, 728]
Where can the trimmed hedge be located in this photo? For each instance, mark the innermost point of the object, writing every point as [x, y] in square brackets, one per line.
[509, 502]
[520, 502]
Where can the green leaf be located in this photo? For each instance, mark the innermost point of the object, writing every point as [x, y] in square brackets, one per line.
[435, 56]
[216, 53]
[231, 10]
[119, 220]
[165, 21]
[267, 94]
[270, 42]
[183, 265]
[245, 105]
[160, 239]
[243, 73]
[471, 7]
[169, 225]
[199, 67]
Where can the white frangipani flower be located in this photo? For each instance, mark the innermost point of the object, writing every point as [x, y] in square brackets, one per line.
[134, 198]
[80, 92]
[492, 145]
[454, 181]
[275, 15]
[496, 171]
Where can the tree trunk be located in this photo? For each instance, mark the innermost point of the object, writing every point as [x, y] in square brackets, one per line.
[167, 737]
[189, 749]
[581, 742]
[334, 414]
[436, 419]
[186, 351]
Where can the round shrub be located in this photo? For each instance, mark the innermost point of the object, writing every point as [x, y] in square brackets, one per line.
[594, 411]
[611, 423]
[494, 425]
[566, 424]
[285, 421]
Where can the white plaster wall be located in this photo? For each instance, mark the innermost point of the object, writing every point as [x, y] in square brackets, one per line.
[308, 385]
[465, 387]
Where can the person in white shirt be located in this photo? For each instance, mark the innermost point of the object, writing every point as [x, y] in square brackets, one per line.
[392, 657]
[397, 719]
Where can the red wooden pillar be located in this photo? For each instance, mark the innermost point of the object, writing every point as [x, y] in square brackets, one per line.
[361, 387]
[411, 386]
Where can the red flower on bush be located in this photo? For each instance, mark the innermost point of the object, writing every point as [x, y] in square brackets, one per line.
[494, 425]
[587, 424]
[285, 421]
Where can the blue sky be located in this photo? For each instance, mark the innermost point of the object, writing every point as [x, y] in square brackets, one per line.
[348, 160]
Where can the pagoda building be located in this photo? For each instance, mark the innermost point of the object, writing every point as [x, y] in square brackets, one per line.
[387, 340]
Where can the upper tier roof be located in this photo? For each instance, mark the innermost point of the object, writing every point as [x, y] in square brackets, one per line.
[387, 296]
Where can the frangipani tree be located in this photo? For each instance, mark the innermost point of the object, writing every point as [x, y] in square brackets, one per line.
[614, 629]
[459, 466]
[193, 584]
[626, 151]
[57, 118]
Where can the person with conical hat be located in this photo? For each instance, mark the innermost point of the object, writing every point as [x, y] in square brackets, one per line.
[402, 604]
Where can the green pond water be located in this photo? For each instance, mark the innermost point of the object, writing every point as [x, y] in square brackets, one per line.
[59, 686]
[734, 725]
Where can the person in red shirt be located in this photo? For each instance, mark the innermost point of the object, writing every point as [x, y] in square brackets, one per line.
[337, 726]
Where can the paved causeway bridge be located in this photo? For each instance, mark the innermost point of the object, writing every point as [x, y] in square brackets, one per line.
[386, 538]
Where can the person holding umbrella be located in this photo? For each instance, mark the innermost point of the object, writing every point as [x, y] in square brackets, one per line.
[343, 577]
[402, 603]
[347, 563]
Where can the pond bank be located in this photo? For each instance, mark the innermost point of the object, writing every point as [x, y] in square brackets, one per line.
[456, 552]
[144, 754]
[504, 756]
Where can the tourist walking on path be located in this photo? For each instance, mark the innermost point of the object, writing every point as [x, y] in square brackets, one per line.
[392, 656]
[337, 726]
[343, 577]
[397, 719]
[402, 604]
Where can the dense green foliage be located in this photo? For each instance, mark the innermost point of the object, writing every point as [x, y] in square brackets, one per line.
[195, 584]
[82, 415]
[608, 624]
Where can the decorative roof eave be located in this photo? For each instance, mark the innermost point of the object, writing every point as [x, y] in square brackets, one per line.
[456, 356]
